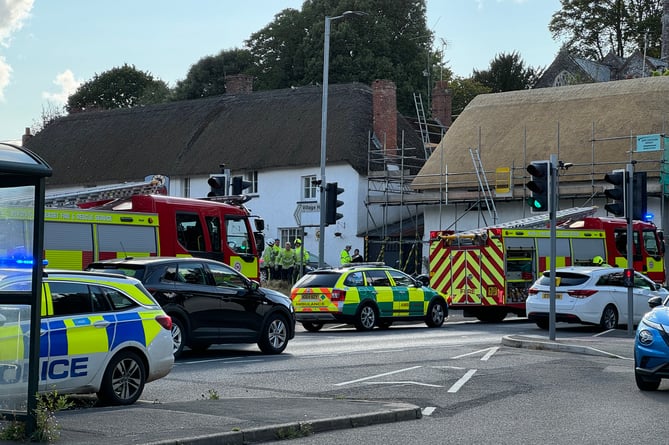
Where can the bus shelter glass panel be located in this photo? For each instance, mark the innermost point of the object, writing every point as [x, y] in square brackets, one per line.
[16, 268]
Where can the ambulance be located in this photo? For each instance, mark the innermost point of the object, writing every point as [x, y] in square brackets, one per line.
[487, 272]
[137, 219]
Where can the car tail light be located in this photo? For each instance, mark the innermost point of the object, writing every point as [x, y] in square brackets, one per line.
[338, 295]
[581, 293]
[532, 291]
[165, 321]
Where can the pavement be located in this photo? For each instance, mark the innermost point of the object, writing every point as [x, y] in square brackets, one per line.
[254, 420]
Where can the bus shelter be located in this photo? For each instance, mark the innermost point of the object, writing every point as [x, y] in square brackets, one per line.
[22, 184]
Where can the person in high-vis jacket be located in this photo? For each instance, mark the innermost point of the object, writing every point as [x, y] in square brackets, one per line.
[302, 258]
[287, 260]
[345, 255]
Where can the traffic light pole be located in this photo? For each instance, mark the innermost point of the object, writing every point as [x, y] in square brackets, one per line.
[552, 208]
[630, 257]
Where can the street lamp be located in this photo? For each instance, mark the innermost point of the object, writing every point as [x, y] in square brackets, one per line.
[324, 127]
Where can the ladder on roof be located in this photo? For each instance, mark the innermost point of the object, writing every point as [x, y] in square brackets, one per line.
[484, 185]
[422, 123]
[539, 221]
[106, 193]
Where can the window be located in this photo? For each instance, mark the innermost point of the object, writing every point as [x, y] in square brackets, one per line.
[237, 234]
[252, 177]
[401, 279]
[70, 298]
[377, 278]
[192, 273]
[185, 188]
[650, 243]
[309, 187]
[214, 227]
[288, 235]
[354, 279]
[226, 277]
[189, 231]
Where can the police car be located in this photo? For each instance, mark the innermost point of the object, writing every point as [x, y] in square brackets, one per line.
[101, 333]
[365, 295]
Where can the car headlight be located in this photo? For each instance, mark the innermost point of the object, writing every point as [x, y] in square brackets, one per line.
[652, 324]
[645, 337]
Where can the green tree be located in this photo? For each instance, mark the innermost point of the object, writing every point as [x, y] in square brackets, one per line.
[121, 87]
[507, 72]
[464, 91]
[391, 41]
[594, 28]
[207, 76]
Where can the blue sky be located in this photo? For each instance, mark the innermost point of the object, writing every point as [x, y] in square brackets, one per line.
[48, 47]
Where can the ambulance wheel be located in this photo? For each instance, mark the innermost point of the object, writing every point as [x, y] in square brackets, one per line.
[365, 319]
[178, 336]
[123, 381]
[274, 336]
[312, 326]
[609, 318]
[436, 314]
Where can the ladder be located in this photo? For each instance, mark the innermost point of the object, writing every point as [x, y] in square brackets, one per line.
[422, 123]
[484, 185]
[106, 193]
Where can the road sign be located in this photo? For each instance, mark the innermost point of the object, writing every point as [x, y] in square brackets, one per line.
[305, 207]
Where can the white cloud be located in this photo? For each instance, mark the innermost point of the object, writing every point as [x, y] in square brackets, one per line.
[68, 85]
[12, 15]
[5, 71]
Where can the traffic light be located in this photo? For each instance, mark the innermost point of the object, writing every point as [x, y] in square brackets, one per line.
[217, 184]
[539, 185]
[239, 185]
[628, 278]
[619, 180]
[640, 201]
[331, 203]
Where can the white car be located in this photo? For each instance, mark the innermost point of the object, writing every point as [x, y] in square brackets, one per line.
[590, 295]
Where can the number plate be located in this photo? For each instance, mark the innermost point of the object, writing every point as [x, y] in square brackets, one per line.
[548, 296]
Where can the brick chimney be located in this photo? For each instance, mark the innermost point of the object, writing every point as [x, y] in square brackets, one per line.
[26, 137]
[442, 103]
[384, 106]
[238, 84]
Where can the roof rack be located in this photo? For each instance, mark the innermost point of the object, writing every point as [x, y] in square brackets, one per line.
[368, 264]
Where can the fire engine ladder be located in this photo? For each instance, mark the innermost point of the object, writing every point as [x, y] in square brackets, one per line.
[422, 123]
[102, 193]
[483, 184]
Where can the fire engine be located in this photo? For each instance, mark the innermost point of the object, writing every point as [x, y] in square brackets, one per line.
[487, 272]
[138, 219]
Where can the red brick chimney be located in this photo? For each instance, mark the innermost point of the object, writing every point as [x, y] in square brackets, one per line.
[442, 103]
[384, 105]
[238, 84]
[26, 137]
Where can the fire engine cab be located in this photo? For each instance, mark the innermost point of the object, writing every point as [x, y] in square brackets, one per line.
[487, 272]
[138, 219]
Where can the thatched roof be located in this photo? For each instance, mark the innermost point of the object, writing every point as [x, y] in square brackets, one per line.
[594, 126]
[253, 131]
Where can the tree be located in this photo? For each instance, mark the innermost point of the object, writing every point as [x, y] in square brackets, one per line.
[121, 87]
[391, 42]
[207, 76]
[593, 29]
[464, 91]
[507, 72]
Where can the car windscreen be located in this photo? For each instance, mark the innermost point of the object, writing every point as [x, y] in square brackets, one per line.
[121, 269]
[564, 279]
[318, 280]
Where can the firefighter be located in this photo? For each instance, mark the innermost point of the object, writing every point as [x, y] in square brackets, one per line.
[287, 260]
[345, 255]
[269, 260]
[276, 267]
[599, 261]
[302, 258]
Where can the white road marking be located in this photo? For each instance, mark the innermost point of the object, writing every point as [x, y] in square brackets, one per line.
[406, 382]
[378, 375]
[490, 352]
[462, 381]
[428, 410]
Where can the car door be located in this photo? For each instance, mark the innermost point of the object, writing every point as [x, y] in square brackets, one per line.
[644, 289]
[80, 330]
[242, 310]
[408, 298]
[200, 301]
[381, 291]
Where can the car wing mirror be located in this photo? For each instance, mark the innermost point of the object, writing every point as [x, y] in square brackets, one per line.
[654, 302]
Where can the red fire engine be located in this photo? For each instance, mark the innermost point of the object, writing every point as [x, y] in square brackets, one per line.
[487, 272]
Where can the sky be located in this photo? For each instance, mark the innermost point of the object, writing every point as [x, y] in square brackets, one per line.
[49, 47]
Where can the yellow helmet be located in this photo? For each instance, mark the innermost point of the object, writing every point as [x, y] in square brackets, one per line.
[598, 260]
[297, 241]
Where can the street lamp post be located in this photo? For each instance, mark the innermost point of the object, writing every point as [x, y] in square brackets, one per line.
[324, 129]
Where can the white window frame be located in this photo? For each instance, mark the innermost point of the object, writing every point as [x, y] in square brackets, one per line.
[309, 188]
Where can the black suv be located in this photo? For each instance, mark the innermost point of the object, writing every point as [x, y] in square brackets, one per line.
[210, 302]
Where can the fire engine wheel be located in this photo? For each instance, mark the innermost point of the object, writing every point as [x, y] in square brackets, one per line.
[491, 316]
[178, 337]
[436, 314]
[365, 319]
[609, 318]
[312, 326]
[274, 336]
[123, 381]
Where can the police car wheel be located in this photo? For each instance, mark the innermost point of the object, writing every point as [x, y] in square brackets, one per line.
[366, 318]
[178, 337]
[312, 326]
[124, 379]
[274, 336]
[436, 314]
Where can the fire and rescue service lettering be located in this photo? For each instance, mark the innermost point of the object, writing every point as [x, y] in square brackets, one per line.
[64, 368]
